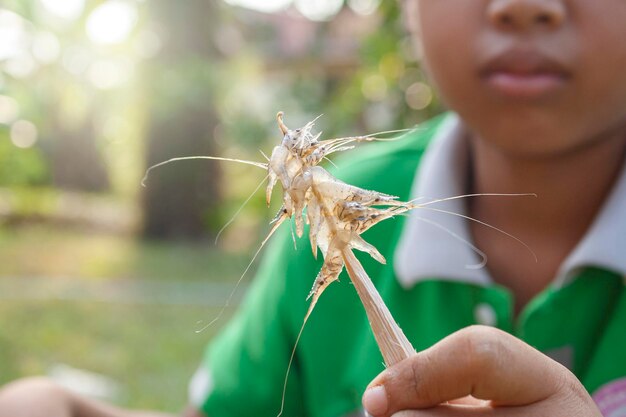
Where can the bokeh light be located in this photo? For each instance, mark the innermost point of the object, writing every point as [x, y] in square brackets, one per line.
[46, 47]
[418, 96]
[265, 6]
[391, 65]
[93, 92]
[374, 87]
[112, 22]
[9, 109]
[23, 134]
[20, 66]
[364, 7]
[13, 34]
[65, 9]
[106, 74]
[76, 59]
[318, 10]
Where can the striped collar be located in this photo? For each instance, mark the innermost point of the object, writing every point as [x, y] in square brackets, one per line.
[438, 245]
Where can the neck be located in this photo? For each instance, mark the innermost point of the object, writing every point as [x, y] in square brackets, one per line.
[570, 189]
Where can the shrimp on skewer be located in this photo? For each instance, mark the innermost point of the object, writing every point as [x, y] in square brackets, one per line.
[307, 187]
[337, 214]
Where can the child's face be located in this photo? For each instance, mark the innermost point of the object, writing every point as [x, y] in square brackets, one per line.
[534, 77]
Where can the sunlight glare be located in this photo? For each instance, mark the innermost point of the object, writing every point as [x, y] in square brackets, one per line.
[65, 9]
[319, 10]
[13, 33]
[112, 22]
[107, 74]
[364, 7]
[265, 6]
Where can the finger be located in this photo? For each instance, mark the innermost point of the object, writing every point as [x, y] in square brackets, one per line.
[452, 411]
[468, 400]
[558, 406]
[480, 361]
[485, 410]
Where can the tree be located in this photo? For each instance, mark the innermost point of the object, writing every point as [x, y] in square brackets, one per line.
[179, 197]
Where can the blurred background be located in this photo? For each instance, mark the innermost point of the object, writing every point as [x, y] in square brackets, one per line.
[103, 283]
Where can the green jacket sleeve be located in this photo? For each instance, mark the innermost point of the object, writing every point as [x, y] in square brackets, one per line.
[247, 362]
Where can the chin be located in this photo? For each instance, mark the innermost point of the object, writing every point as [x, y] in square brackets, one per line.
[522, 138]
[518, 128]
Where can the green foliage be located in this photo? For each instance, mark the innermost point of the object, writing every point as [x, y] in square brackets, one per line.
[60, 252]
[153, 349]
[20, 167]
[149, 347]
[150, 350]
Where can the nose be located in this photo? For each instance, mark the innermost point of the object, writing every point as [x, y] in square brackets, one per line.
[526, 14]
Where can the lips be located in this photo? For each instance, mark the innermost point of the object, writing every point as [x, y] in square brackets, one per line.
[524, 74]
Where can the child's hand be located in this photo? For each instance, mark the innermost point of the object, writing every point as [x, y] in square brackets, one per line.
[41, 397]
[495, 372]
[34, 397]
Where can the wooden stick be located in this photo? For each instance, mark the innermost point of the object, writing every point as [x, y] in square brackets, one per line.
[392, 342]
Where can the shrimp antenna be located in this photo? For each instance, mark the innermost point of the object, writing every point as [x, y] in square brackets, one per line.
[331, 162]
[339, 144]
[187, 158]
[312, 122]
[373, 136]
[234, 216]
[232, 293]
[387, 132]
[293, 353]
[483, 255]
[457, 197]
[484, 224]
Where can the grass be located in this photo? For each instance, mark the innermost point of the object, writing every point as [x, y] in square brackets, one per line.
[150, 350]
[41, 251]
[149, 347]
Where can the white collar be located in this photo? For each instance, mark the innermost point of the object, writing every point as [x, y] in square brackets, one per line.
[604, 244]
[431, 244]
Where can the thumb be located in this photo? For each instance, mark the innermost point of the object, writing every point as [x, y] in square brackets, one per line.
[480, 361]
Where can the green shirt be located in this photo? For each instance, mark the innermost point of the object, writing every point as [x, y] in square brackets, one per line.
[581, 323]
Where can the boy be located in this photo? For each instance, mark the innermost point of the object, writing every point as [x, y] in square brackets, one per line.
[543, 98]
[540, 92]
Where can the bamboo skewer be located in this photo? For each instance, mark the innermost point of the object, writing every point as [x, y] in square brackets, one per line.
[390, 338]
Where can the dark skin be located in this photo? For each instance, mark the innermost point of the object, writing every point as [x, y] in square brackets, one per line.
[566, 145]
[556, 128]
[40, 397]
[541, 87]
[478, 371]
[552, 226]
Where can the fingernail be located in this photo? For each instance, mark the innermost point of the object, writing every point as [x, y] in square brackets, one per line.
[375, 400]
